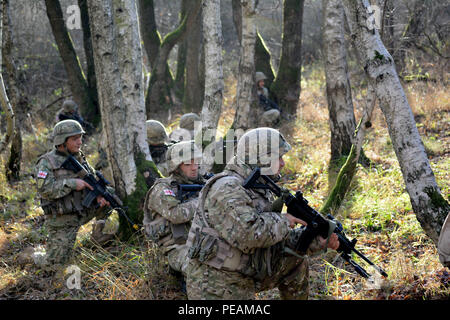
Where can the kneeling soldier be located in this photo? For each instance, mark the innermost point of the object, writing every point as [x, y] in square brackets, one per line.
[62, 193]
[167, 213]
[239, 242]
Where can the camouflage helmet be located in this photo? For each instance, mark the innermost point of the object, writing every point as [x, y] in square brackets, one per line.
[181, 152]
[156, 132]
[260, 76]
[187, 120]
[65, 129]
[261, 147]
[70, 106]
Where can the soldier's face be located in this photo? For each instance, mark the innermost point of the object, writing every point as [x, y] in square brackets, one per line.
[73, 143]
[189, 169]
[261, 83]
[280, 164]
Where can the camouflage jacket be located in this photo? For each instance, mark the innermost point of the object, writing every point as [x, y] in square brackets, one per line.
[242, 217]
[57, 186]
[166, 218]
[234, 228]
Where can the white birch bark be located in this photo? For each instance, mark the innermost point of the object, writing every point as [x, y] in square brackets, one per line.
[246, 89]
[427, 202]
[214, 84]
[129, 52]
[4, 101]
[339, 96]
[114, 109]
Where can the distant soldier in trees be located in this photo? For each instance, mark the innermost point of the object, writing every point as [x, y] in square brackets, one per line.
[69, 111]
[62, 192]
[185, 132]
[271, 115]
[167, 214]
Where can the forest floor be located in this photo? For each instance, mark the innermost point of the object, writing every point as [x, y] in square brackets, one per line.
[377, 211]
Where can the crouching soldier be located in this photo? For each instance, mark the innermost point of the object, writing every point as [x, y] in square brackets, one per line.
[239, 242]
[168, 212]
[186, 128]
[62, 192]
[157, 140]
[271, 111]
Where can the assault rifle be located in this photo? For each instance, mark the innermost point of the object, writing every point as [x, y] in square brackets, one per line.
[99, 187]
[185, 191]
[316, 224]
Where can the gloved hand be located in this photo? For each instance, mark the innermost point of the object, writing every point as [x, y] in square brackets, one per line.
[277, 205]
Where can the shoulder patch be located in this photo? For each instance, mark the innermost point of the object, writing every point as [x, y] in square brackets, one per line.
[169, 192]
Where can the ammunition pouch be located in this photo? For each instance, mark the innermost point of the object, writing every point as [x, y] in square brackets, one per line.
[205, 245]
[69, 204]
[179, 232]
[164, 233]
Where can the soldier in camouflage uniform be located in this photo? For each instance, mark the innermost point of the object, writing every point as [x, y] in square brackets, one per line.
[62, 192]
[239, 242]
[167, 219]
[271, 111]
[444, 243]
[157, 140]
[69, 111]
[186, 128]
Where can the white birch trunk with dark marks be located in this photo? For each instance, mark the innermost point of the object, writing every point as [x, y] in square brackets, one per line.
[118, 64]
[426, 199]
[339, 95]
[246, 89]
[214, 84]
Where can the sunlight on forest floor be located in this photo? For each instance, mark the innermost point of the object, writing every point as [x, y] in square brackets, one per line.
[377, 211]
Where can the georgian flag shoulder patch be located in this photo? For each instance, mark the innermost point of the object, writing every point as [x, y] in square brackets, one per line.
[169, 192]
[42, 174]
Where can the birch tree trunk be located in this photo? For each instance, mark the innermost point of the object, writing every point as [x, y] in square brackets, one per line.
[4, 101]
[339, 94]
[16, 93]
[286, 86]
[426, 199]
[214, 84]
[246, 89]
[118, 65]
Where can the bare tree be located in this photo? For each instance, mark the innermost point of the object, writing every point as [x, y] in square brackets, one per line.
[16, 92]
[118, 65]
[246, 89]
[339, 94]
[159, 92]
[426, 199]
[4, 101]
[194, 84]
[214, 84]
[77, 81]
[286, 86]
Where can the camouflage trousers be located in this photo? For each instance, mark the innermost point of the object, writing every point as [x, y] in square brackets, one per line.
[62, 231]
[178, 259]
[207, 283]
